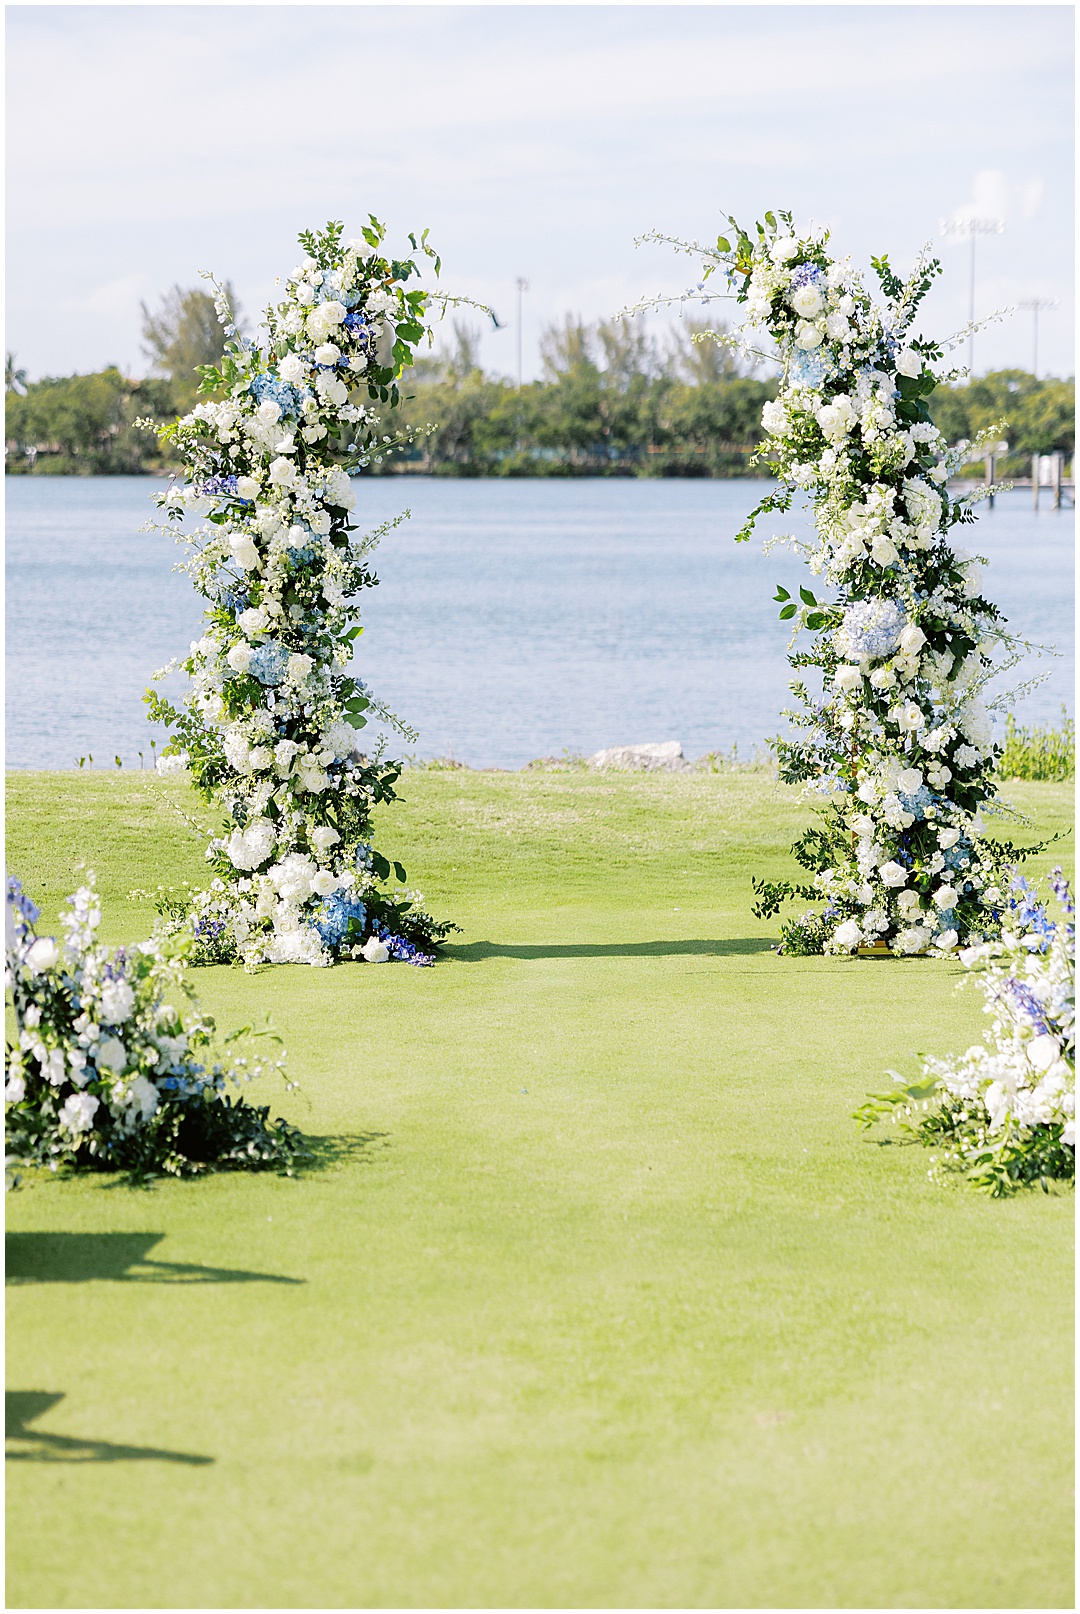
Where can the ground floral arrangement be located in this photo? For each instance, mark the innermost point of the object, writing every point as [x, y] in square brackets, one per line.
[901, 733]
[269, 728]
[1004, 1113]
[106, 1071]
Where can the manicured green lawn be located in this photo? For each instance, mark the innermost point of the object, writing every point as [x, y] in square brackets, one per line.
[599, 1299]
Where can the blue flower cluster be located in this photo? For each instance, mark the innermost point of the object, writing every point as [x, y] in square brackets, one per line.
[807, 274]
[1027, 1003]
[1029, 911]
[21, 903]
[873, 627]
[218, 485]
[235, 600]
[333, 915]
[288, 399]
[268, 663]
[404, 951]
[918, 801]
[809, 369]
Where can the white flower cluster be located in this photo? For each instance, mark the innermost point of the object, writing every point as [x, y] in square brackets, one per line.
[1005, 1111]
[269, 729]
[906, 644]
[99, 1048]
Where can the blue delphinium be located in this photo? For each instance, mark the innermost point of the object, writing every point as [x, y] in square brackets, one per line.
[268, 663]
[404, 951]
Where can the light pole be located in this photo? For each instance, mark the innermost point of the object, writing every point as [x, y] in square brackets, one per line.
[972, 228]
[522, 286]
[1037, 305]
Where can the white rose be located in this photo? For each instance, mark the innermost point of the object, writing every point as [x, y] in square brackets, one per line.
[143, 1096]
[283, 473]
[947, 838]
[883, 550]
[247, 487]
[946, 940]
[783, 249]
[334, 391]
[882, 678]
[111, 1055]
[292, 368]
[911, 718]
[848, 678]
[1043, 1051]
[325, 837]
[807, 301]
[298, 667]
[848, 935]
[333, 312]
[893, 874]
[375, 951]
[78, 1112]
[43, 955]
[323, 883]
[909, 781]
[253, 620]
[946, 896]
[239, 657]
[774, 418]
[807, 337]
[907, 901]
[305, 294]
[261, 758]
[117, 1002]
[244, 552]
[912, 640]
[327, 354]
[912, 941]
[268, 412]
[909, 363]
[320, 523]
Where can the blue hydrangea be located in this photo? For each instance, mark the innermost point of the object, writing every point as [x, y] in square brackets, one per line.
[807, 274]
[287, 398]
[918, 801]
[300, 557]
[268, 663]
[871, 628]
[332, 917]
[809, 369]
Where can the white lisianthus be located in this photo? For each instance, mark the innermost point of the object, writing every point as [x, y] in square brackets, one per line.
[807, 337]
[893, 874]
[78, 1111]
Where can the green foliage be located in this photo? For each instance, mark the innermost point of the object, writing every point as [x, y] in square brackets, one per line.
[1038, 416]
[612, 403]
[85, 425]
[183, 338]
[1041, 752]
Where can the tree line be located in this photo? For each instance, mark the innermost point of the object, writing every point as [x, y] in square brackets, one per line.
[614, 399]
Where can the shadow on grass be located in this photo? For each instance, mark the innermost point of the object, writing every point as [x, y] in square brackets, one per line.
[118, 1257]
[477, 952]
[341, 1149]
[23, 1445]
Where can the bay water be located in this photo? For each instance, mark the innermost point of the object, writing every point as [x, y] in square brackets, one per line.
[513, 620]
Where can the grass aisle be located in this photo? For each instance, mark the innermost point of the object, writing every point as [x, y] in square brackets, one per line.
[598, 1299]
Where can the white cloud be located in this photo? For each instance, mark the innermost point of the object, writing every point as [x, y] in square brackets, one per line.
[117, 297]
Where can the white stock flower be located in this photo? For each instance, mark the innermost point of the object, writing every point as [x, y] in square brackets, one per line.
[117, 1002]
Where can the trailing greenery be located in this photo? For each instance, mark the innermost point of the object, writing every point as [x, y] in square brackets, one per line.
[1041, 752]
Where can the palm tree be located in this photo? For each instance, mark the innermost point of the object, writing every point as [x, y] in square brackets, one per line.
[14, 380]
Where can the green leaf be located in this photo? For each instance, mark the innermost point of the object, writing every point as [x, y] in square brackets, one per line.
[816, 619]
[399, 870]
[723, 244]
[806, 597]
[788, 611]
[781, 593]
[380, 867]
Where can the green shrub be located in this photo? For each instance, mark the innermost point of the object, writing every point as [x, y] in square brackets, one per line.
[1039, 753]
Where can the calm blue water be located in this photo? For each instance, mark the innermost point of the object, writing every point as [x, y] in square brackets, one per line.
[513, 620]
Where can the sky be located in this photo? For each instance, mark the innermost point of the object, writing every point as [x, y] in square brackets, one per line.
[146, 143]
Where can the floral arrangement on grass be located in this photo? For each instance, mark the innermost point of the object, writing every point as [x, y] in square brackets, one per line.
[1004, 1113]
[107, 1073]
[905, 646]
[269, 729]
